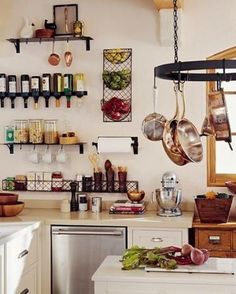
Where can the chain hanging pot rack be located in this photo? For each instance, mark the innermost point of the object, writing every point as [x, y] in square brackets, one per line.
[179, 71]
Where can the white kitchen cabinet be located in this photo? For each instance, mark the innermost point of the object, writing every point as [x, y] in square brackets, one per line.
[161, 237]
[1, 269]
[22, 264]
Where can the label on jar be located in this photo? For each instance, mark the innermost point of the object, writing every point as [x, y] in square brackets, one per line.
[25, 86]
[45, 84]
[12, 86]
[35, 83]
[2, 84]
[79, 85]
[66, 83]
[83, 206]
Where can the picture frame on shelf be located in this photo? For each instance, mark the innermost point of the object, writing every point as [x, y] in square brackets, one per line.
[64, 17]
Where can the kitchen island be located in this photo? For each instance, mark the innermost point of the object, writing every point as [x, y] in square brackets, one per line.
[110, 279]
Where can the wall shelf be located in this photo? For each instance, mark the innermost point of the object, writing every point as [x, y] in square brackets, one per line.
[17, 41]
[64, 186]
[11, 146]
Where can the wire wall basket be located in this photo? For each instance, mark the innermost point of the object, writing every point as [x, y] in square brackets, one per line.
[117, 85]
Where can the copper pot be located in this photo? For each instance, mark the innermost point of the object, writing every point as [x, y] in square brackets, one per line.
[170, 142]
[188, 138]
[220, 120]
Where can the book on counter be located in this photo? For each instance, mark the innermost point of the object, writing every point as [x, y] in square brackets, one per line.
[127, 203]
[127, 207]
[120, 211]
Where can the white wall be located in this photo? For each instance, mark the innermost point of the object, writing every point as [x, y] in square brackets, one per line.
[208, 27]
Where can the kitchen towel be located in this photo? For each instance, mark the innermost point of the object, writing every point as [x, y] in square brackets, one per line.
[114, 145]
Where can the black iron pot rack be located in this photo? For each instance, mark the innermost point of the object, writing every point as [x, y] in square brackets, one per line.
[178, 71]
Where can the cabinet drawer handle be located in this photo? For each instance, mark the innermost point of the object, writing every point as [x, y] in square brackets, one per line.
[23, 253]
[25, 291]
[156, 239]
[214, 239]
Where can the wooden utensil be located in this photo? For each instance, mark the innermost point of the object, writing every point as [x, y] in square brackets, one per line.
[94, 160]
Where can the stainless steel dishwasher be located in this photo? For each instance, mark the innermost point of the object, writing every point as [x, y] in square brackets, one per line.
[77, 251]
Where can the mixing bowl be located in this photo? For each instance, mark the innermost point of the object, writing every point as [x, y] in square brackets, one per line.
[168, 199]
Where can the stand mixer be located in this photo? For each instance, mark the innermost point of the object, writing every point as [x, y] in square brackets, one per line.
[168, 197]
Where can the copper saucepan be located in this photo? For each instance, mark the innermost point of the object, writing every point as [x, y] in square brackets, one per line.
[169, 141]
[188, 138]
[220, 120]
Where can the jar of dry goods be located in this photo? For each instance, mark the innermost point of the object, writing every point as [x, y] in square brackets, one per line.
[36, 131]
[50, 132]
[21, 134]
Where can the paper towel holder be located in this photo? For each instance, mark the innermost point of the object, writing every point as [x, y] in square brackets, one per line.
[134, 144]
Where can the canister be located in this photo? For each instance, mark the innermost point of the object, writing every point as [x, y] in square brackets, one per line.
[83, 202]
[96, 204]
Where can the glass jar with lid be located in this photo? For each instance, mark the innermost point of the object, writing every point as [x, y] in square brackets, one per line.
[36, 131]
[50, 132]
[21, 134]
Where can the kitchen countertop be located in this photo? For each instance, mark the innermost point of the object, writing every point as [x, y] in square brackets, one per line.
[55, 216]
[110, 271]
[8, 231]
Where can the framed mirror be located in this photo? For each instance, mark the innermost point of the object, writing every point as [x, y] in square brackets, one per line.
[221, 160]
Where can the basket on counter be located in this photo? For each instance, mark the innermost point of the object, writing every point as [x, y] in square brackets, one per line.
[213, 210]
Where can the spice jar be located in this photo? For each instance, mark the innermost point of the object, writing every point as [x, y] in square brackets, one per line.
[50, 132]
[9, 134]
[21, 134]
[57, 181]
[35, 131]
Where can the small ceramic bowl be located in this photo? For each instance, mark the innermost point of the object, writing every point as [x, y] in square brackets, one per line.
[135, 196]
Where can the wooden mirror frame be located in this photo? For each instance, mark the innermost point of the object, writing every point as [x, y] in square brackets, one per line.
[214, 179]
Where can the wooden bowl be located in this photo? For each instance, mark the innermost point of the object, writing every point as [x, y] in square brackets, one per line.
[11, 209]
[135, 196]
[231, 186]
[8, 198]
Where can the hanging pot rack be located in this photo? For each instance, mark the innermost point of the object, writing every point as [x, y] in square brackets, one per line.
[180, 71]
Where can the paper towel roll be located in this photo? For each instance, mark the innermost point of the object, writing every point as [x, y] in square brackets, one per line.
[115, 145]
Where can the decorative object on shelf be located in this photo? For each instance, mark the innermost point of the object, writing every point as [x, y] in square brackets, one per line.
[44, 33]
[78, 28]
[68, 138]
[64, 17]
[3, 88]
[117, 85]
[28, 29]
[122, 178]
[117, 144]
[50, 26]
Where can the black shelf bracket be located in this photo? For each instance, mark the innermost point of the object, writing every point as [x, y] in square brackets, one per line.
[17, 45]
[10, 147]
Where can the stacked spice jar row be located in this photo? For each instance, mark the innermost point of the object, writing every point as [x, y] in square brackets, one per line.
[48, 85]
[35, 131]
[37, 181]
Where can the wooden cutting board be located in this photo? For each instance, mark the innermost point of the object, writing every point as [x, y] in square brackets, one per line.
[212, 266]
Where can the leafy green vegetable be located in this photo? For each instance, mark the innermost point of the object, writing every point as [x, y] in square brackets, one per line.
[139, 256]
[117, 80]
